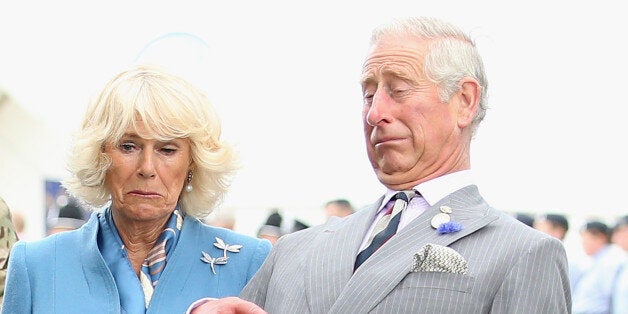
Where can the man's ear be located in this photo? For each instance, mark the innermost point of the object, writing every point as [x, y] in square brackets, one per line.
[469, 101]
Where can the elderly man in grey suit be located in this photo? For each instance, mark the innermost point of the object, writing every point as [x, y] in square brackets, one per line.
[436, 247]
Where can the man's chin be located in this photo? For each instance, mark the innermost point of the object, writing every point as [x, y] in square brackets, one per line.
[393, 180]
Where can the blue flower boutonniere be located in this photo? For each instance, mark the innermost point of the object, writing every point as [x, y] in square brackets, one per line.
[449, 227]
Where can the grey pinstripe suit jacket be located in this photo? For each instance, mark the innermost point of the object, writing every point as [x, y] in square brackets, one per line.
[512, 268]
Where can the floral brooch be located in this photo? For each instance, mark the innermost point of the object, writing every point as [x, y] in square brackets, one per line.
[442, 221]
[221, 260]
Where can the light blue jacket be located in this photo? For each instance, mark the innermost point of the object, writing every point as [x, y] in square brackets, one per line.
[65, 272]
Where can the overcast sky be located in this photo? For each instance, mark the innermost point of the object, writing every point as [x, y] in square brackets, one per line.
[284, 77]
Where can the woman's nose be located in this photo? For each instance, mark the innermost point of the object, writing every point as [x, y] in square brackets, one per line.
[146, 166]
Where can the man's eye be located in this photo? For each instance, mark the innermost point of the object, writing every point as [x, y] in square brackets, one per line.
[368, 98]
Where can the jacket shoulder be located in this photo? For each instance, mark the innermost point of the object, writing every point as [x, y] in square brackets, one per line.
[232, 238]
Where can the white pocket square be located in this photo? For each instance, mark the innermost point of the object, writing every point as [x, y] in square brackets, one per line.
[438, 258]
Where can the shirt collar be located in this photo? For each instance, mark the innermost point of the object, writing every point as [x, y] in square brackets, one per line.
[436, 189]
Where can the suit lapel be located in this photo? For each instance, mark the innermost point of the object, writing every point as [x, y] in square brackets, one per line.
[330, 264]
[102, 286]
[381, 273]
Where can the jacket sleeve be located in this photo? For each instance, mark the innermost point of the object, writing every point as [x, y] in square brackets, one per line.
[255, 290]
[537, 283]
[8, 237]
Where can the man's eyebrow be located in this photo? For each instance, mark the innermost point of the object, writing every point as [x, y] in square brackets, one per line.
[367, 79]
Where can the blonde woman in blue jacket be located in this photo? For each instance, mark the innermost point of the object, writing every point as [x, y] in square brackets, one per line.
[149, 154]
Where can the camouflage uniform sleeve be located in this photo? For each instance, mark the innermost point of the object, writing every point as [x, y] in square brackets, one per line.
[7, 238]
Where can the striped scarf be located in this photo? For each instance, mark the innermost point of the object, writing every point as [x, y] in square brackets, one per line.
[157, 258]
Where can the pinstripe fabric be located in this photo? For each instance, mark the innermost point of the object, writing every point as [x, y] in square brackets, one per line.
[512, 268]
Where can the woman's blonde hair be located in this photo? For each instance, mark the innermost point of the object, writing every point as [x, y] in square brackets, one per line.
[168, 107]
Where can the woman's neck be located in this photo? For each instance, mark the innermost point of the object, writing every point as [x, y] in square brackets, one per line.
[138, 237]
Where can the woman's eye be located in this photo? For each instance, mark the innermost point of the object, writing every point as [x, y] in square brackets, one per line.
[127, 147]
[168, 150]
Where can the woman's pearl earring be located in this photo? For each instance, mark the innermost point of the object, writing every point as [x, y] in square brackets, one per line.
[189, 187]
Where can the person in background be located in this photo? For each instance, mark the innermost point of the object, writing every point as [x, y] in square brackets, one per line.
[271, 229]
[149, 154]
[526, 219]
[70, 218]
[338, 208]
[8, 237]
[555, 225]
[619, 297]
[20, 225]
[276, 226]
[430, 243]
[592, 283]
[298, 225]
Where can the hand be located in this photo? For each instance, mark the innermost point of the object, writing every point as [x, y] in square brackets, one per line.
[229, 305]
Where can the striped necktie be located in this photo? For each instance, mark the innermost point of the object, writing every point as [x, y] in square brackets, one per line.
[386, 227]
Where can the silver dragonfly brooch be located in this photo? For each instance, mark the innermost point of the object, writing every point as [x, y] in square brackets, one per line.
[221, 260]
